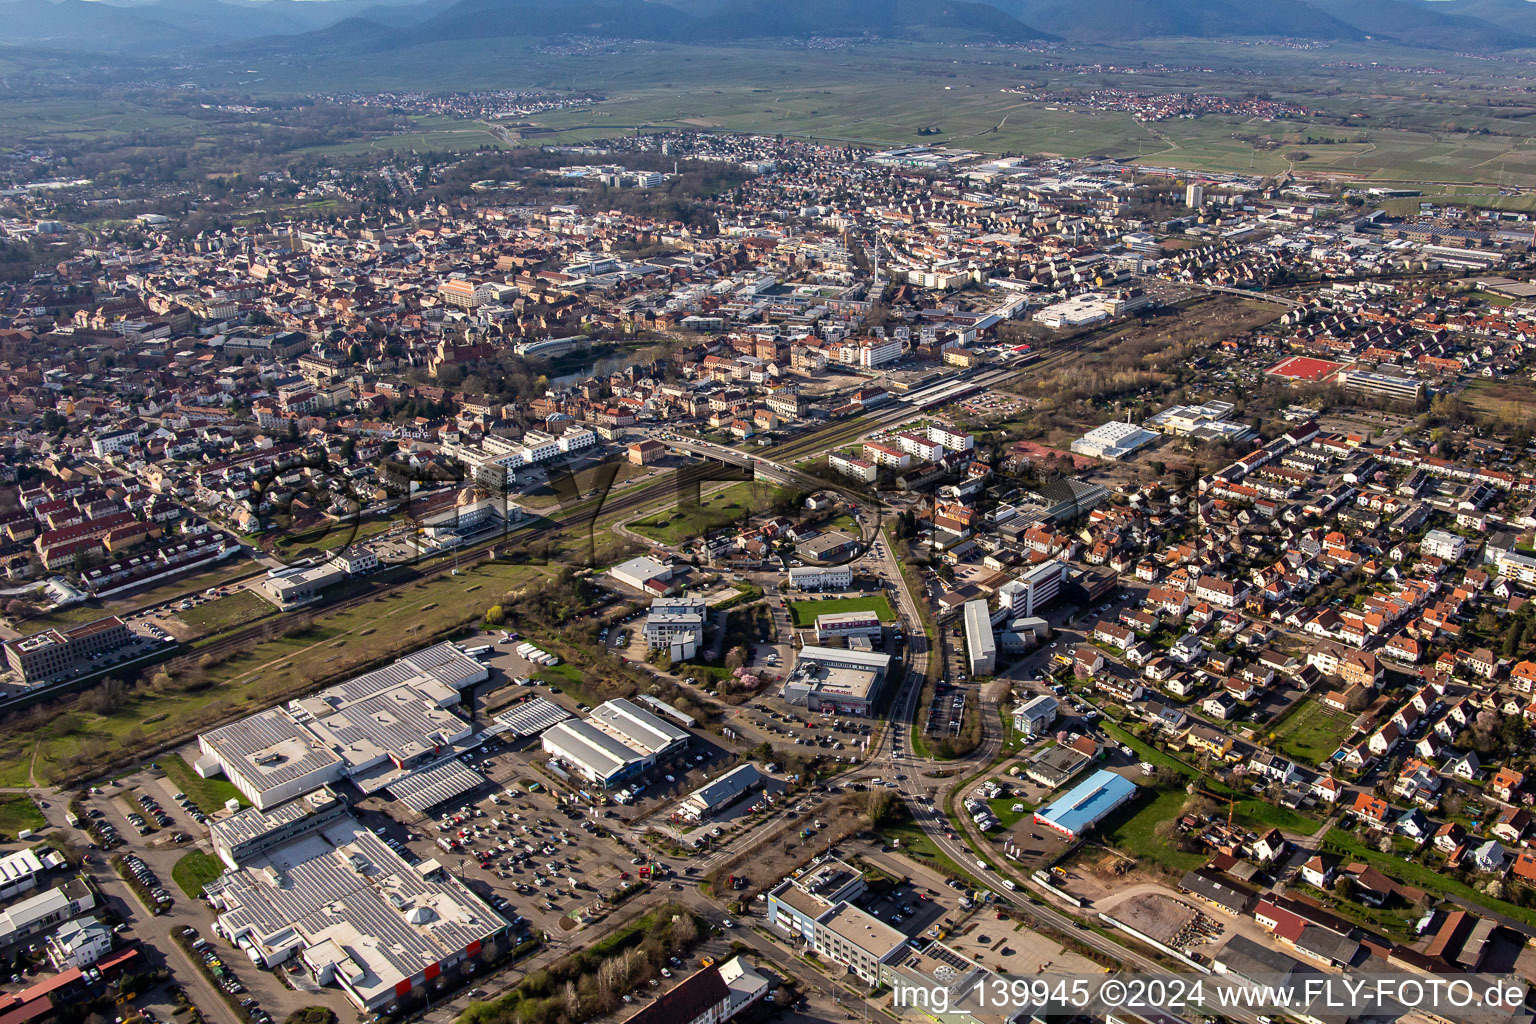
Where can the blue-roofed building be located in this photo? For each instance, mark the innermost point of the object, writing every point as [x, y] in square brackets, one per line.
[1087, 803]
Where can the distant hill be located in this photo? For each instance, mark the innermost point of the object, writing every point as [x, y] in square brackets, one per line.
[888, 18]
[176, 26]
[1482, 25]
[1105, 20]
[1440, 26]
[1516, 15]
[173, 26]
[716, 21]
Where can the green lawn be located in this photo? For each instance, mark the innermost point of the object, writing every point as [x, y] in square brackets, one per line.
[1262, 812]
[1134, 829]
[223, 613]
[805, 612]
[196, 870]
[208, 794]
[913, 842]
[18, 812]
[683, 522]
[1312, 732]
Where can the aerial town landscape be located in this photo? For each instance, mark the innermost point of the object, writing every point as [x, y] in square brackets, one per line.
[536, 548]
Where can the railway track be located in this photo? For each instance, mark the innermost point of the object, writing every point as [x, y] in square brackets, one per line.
[584, 513]
[588, 511]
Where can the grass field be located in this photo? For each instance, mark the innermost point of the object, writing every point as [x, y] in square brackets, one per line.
[330, 536]
[730, 504]
[1511, 401]
[196, 870]
[1002, 808]
[191, 583]
[223, 613]
[18, 812]
[1134, 830]
[584, 480]
[805, 612]
[1264, 813]
[208, 794]
[1313, 732]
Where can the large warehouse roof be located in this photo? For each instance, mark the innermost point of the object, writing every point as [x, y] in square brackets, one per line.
[1086, 804]
[589, 748]
[637, 727]
[425, 788]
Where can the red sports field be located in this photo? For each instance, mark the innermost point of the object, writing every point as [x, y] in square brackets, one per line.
[1305, 368]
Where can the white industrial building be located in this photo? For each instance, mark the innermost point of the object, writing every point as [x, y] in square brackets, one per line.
[19, 873]
[1112, 440]
[371, 730]
[38, 913]
[980, 645]
[643, 574]
[1025, 596]
[618, 740]
[358, 915]
[301, 585]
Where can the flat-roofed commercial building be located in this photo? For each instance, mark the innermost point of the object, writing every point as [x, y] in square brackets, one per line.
[832, 577]
[980, 644]
[643, 574]
[848, 624]
[57, 653]
[248, 833]
[357, 914]
[858, 940]
[795, 903]
[844, 682]
[1382, 385]
[371, 730]
[718, 794]
[41, 912]
[1087, 803]
[297, 587]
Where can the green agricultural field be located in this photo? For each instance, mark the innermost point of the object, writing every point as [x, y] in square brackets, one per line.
[1313, 732]
[805, 612]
